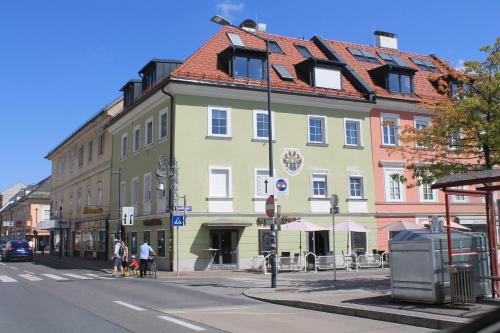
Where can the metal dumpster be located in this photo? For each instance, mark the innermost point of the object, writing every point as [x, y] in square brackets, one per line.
[419, 264]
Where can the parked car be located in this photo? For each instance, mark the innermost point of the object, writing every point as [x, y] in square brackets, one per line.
[17, 250]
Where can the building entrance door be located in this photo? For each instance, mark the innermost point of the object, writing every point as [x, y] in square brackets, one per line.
[226, 243]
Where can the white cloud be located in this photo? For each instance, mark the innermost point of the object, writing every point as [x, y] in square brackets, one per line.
[227, 8]
[459, 65]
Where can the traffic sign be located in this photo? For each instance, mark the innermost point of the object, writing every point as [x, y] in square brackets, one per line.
[177, 221]
[128, 215]
[270, 206]
[268, 185]
[183, 208]
[281, 187]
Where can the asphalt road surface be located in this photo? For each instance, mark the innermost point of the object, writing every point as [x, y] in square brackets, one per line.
[38, 298]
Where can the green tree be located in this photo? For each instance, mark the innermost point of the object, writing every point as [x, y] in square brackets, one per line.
[464, 134]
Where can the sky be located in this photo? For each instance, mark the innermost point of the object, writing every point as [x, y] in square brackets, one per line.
[61, 61]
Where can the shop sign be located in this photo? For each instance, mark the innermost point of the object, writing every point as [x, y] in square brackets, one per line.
[152, 222]
[90, 210]
[279, 220]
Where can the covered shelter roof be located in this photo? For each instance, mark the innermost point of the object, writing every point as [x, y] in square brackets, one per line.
[470, 178]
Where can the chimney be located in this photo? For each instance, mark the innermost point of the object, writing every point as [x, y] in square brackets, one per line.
[386, 39]
[252, 26]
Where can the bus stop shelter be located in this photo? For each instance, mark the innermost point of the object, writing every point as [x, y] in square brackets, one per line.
[481, 184]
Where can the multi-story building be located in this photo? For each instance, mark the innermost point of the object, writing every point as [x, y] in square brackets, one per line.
[209, 116]
[9, 193]
[24, 210]
[81, 176]
[403, 82]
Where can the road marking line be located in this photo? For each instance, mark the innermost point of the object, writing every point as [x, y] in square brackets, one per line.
[5, 278]
[76, 276]
[92, 275]
[182, 323]
[1, 263]
[30, 277]
[14, 268]
[130, 306]
[29, 272]
[55, 277]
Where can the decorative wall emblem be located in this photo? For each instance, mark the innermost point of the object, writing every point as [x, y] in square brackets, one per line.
[292, 161]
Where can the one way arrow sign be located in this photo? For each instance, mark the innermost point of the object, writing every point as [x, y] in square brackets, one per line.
[269, 185]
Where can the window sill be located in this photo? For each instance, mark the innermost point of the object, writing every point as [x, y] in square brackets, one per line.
[319, 199]
[263, 140]
[219, 199]
[214, 137]
[395, 201]
[147, 147]
[388, 146]
[354, 147]
[259, 198]
[135, 152]
[317, 144]
[160, 140]
[356, 200]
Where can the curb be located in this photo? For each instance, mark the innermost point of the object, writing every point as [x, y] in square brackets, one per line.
[438, 322]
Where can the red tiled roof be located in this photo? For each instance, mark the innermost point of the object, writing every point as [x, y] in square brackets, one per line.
[203, 65]
[424, 89]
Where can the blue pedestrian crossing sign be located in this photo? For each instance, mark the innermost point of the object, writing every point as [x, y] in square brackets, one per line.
[177, 221]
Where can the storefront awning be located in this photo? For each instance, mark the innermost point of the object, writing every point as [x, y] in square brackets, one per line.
[52, 224]
[226, 223]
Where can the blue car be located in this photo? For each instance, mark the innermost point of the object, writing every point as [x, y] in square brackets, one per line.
[17, 250]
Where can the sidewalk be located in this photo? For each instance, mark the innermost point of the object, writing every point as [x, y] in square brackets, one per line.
[368, 297]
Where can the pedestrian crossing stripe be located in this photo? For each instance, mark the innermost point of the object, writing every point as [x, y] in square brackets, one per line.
[76, 276]
[30, 277]
[5, 278]
[55, 277]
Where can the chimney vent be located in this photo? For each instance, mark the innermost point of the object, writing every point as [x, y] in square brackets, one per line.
[252, 26]
[386, 39]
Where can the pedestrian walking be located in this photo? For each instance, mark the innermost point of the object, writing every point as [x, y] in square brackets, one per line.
[145, 252]
[117, 258]
[125, 259]
[42, 246]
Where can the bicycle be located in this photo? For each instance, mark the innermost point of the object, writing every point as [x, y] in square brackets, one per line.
[152, 267]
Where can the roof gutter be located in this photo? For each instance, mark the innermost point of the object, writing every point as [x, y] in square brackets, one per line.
[357, 81]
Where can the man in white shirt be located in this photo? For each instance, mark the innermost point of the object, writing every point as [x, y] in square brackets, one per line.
[117, 258]
[144, 253]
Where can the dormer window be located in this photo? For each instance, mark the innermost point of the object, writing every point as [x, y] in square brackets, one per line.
[246, 63]
[149, 79]
[155, 70]
[303, 51]
[131, 91]
[363, 55]
[274, 46]
[400, 83]
[321, 73]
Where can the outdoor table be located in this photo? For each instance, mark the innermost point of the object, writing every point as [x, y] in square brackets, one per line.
[211, 255]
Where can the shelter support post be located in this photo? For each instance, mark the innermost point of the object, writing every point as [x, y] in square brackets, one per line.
[492, 242]
[448, 231]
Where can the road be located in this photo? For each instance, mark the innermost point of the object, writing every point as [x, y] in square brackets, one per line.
[39, 298]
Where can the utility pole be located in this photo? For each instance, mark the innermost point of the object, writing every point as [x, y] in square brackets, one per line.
[334, 202]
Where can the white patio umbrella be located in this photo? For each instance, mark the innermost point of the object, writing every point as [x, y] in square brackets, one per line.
[400, 226]
[350, 226]
[454, 225]
[303, 225]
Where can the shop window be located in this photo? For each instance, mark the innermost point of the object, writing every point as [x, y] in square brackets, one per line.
[161, 244]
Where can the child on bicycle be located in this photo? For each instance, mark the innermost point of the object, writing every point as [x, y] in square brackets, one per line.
[134, 265]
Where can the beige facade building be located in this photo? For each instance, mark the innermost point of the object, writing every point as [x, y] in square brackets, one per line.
[81, 173]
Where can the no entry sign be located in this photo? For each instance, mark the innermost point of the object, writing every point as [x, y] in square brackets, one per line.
[270, 206]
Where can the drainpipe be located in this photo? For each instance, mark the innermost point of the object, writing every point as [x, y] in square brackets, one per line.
[172, 160]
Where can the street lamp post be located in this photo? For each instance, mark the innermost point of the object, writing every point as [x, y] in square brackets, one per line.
[224, 22]
[60, 232]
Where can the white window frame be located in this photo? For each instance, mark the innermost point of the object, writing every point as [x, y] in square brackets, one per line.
[98, 194]
[100, 144]
[123, 193]
[228, 121]
[148, 121]
[124, 152]
[229, 184]
[421, 193]
[362, 189]
[394, 117]
[387, 178]
[325, 129]
[88, 197]
[264, 112]
[334, 82]
[79, 200]
[72, 162]
[147, 197]
[455, 197]
[134, 194]
[134, 140]
[90, 150]
[421, 120]
[162, 113]
[360, 131]
[63, 167]
[318, 173]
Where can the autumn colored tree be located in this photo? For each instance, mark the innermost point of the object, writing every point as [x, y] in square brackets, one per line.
[464, 134]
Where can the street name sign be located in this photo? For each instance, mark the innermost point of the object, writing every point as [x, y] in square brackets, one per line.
[177, 221]
[8, 223]
[128, 215]
[183, 208]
